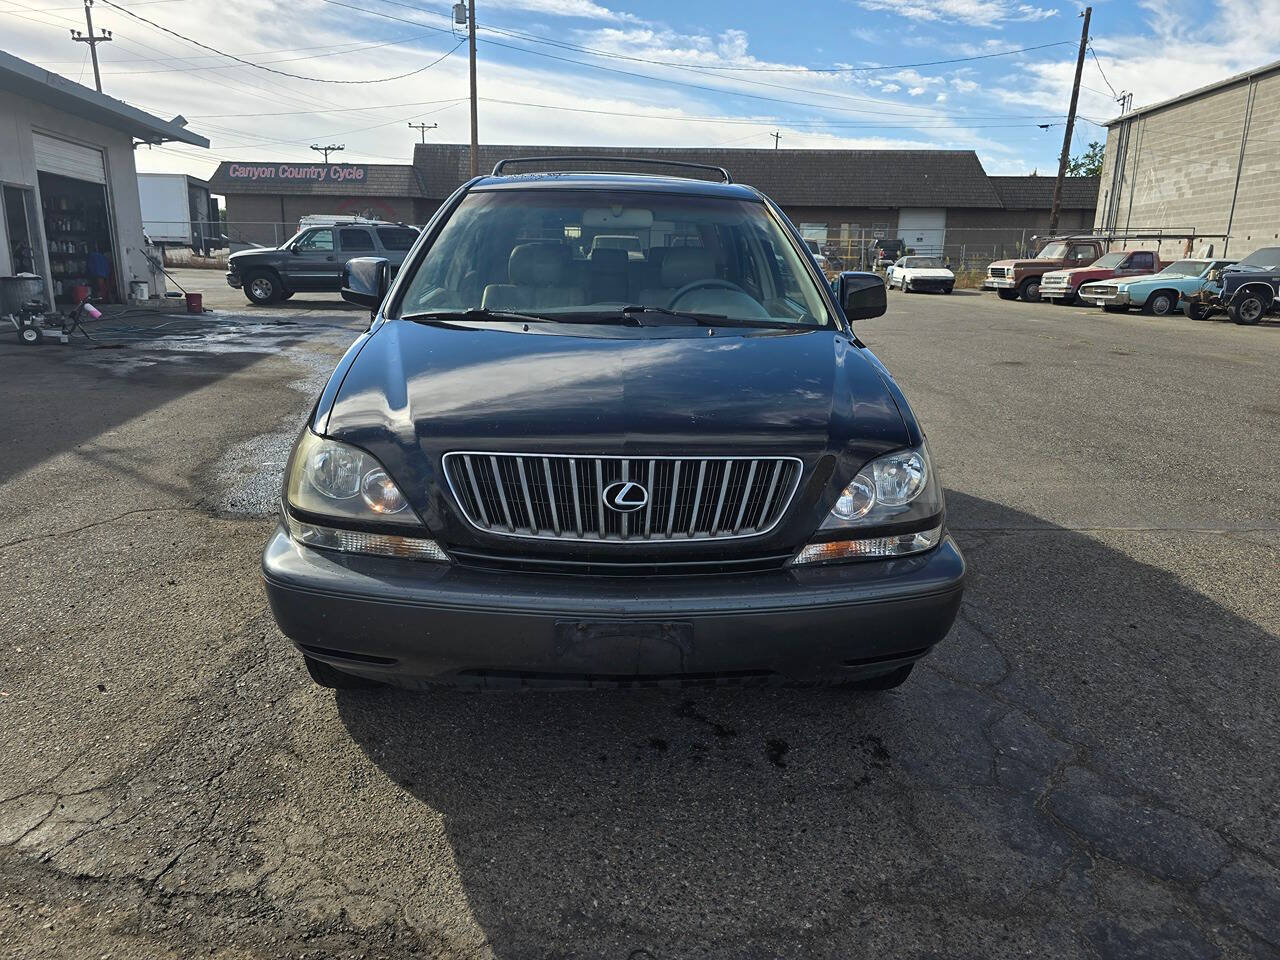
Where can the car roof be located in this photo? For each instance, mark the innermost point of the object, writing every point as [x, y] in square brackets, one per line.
[650, 183]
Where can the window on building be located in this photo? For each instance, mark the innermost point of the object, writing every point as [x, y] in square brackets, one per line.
[355, 239]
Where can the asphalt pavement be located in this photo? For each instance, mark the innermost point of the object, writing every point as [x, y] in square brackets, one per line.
[1086, 767]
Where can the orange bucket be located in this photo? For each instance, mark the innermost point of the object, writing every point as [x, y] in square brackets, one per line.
[195, 303]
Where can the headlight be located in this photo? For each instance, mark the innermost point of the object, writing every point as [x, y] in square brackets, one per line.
[898, 493]
[332, 480]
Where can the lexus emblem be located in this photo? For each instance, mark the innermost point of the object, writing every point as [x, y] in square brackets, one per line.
[625, 496]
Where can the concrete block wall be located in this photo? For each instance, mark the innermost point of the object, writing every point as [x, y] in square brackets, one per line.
[1179, 169]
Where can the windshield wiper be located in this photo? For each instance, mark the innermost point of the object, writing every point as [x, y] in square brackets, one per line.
[701, 319]
[476, 314]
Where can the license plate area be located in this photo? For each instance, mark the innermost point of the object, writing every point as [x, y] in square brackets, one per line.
[624, 646]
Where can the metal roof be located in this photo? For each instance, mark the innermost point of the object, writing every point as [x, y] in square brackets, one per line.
[1036, 193]
[1197, 92]
[820, 178]
[35, 83]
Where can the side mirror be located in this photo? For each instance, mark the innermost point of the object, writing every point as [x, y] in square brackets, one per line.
[365, 281]
[861, 294]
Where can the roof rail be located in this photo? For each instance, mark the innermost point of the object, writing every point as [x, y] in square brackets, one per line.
[724, 174]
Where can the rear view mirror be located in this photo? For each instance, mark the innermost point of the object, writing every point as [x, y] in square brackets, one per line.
[365, 281]
[862, 295]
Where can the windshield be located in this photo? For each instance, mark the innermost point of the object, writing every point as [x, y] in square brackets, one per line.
[1109, 260]
[1268, 258]
[922, 263]
[1054, 251]
[535, 252]
[1187, 268]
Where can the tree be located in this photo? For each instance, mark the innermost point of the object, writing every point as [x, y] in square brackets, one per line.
[1087, 164]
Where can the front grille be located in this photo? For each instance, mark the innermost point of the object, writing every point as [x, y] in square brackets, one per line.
[561, 497]
[1100, 292]
[998, 271]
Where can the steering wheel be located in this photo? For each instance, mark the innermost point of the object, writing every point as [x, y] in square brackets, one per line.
[710, 283]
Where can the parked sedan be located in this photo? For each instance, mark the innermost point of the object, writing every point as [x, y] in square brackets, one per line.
[920, 274]
[1155, 293]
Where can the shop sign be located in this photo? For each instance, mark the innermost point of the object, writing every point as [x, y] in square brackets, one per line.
[298, 172]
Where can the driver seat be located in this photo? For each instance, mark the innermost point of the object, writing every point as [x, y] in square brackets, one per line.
[680, 267]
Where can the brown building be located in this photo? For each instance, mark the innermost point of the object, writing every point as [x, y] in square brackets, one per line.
[937, 201]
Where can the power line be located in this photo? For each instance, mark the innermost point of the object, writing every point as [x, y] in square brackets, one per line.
[1100, 71]
[751, 68]
[222, 66]
[753, 120]
[250, 63]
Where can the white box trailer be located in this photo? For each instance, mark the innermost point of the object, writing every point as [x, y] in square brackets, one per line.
[178, 211]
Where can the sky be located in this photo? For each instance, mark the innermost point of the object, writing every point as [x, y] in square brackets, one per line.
[841, 73]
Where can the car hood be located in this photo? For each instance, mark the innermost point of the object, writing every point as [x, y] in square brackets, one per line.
[1024, 264]
[416, 392]
[256, 253]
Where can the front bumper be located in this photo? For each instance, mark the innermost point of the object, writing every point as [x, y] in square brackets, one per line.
[410, 623]
[1056, 290]
[233, 279]
[931, 284]
[1118, 298]
[998, 283]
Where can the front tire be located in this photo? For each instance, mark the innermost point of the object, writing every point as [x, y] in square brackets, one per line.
[1248, 310]
[1007, 294]
[262, 287]
[1197, 312]
[30, 335]
[324, 675]
[1161, 303]
[1029, 290]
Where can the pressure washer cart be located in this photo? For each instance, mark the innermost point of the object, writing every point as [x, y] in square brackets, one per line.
[22, 303]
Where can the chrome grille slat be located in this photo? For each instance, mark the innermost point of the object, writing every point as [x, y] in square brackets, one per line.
[689, 498]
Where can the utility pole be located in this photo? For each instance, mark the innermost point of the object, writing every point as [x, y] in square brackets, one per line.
[423, 128]
[328, 150]
[1056, 210]
[92, 41]
[776, 137]
[475, 131]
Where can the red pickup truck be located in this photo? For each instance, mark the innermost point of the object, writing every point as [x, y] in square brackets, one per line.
[1063, 286]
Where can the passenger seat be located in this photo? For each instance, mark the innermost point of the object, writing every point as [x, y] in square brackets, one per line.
[538, 280]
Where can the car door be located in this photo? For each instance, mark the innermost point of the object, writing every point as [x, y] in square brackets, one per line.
[1080, 255]
[1138, 263]
[396, 242]
[314, 264]
[355, 242]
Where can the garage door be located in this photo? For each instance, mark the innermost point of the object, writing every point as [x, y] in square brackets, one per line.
[922, 229]
[69, 159]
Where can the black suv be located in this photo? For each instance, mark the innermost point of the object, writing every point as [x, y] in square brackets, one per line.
[313, 258]
[549, 463]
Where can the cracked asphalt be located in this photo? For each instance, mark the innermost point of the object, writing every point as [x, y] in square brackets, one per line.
[1086, 767]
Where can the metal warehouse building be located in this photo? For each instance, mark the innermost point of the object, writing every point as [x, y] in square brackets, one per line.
[1207, 161]
[934, 200]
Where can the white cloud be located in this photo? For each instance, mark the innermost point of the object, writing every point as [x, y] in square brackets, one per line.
[890, 88]
[963, 86]
[916, 91]
[978, 13]
[940, 98]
